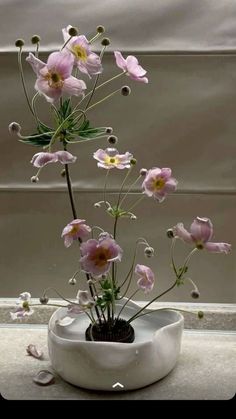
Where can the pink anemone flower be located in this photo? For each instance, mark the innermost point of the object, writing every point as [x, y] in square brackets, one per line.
[97, 255]
[87, 61]
[83, 302]
[54, 78]
[75, 230]
[146, 278]
[131, 66]
[110, 159]
[201, 232]
[41, 159]
[158, 183]
[22, 307]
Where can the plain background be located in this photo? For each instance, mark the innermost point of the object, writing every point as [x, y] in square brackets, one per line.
[183, 119]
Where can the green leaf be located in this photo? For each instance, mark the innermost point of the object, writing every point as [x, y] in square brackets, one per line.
[41, 141]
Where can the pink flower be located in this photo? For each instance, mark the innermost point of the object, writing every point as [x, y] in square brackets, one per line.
[87, 61]
[74, 231]
[110, 158]
[97, 255]
[131, 66]
[83, 303]
[22, 307]
[41, 159]
[201, 231]
[54, 78]
[146, 278]
[158, 183]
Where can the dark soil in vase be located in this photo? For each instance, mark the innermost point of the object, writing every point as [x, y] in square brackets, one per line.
[113, 331]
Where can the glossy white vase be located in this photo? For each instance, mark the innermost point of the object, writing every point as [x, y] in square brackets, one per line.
[100, 365]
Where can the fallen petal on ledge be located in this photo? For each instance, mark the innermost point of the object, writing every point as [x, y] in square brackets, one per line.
[33, 351]
[44, 378]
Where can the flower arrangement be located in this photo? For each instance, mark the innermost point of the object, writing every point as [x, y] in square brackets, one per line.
[59, 80]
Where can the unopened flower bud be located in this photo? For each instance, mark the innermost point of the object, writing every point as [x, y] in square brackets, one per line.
[97, 205]
[170, 233]
[199, 246]
[44, 299]
[19, 43]
[63, 173]
[133, 162]
[104, 276]
[195, 294]
[125, 90]
[34, 179]
[143, 172]
[73, 31]
[14, 128]
[200, 314]
[100, 29]
[112, 139]
[133, 217]
[72, 281]
[105, 42]
[35, 39]
[110, 210]
[109, 130]
[149, 251]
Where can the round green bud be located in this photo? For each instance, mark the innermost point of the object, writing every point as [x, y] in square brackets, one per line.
[35, 39]
[112, 139]
[19, 43]
[149, 251]
[133, 162]
[200, 314]
[195, 294]
[34, 179]
[72, 281]
[14, 128]
[199, 246]
[170, 233]
[143, 172]
[133, 217]
[97, 205]
[125, 90]
[100, 29]
[73, 31]
[105, 42]
[63, 173]
[44, 299]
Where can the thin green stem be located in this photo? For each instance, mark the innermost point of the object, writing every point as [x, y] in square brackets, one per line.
[103, 100]
[129, 189]
[172, 256]
[136, 203]
[105, 189]
[96, 81]
[23, 81]
[128, 299]
[66, 42]
[165, 308]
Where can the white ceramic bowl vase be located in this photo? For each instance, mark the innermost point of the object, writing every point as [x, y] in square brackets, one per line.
[99, 365]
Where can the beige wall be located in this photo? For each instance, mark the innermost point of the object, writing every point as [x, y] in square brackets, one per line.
[184, 118]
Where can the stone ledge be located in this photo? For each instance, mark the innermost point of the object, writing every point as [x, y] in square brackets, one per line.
[216, 316]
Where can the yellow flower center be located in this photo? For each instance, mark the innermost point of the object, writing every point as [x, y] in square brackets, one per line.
[111, 160]
[79, 52]
[74, 230]
[101, 257]
[158, 183]
[54, 79]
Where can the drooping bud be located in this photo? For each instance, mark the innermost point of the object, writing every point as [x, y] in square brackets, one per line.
[63, 173]
[105, 42]
[170, 233]
[112, 139]
[149, 251]
[109, 130]
[195, 294]
[14, 128]
[133, 162]
[125, 90]
[44, 299]
[73, 31]
[143, 172]
[100, 29]
[19, 43]
[200, 314]
[34, 179]
[133, 217]
[72, 281]
[35, 39]
[97, 205]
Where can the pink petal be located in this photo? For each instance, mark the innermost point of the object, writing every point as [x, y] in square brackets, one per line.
[133, 67]
[166, 173]
[182, 233]
[100, 155]
[35, 63]
[64, 157]
[82, 41]
[73, 87]
[50, 93]
[170, 185]
[41, 159]
[218, 247]
[68, 240]
[201, 229]
[120, 61]
[61, 63]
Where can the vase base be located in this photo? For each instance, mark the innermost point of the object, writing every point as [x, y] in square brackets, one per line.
[117, 330]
